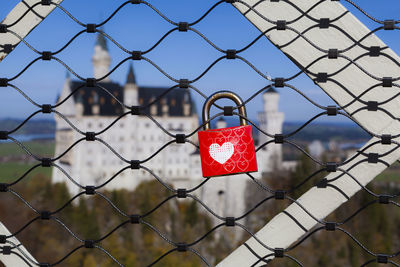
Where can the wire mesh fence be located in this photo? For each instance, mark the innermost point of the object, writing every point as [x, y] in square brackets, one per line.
[270, 194]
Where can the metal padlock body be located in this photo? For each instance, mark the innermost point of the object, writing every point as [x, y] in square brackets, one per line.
[230, 150]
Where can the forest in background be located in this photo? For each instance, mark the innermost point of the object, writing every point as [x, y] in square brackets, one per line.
[186, 221]
[376, 227]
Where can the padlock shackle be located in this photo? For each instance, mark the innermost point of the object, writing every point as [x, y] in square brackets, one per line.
[223, 94]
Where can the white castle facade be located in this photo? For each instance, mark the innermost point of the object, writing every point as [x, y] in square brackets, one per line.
[138, 137]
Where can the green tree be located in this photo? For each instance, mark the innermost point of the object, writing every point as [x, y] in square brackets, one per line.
[86, 221]
[191, 214]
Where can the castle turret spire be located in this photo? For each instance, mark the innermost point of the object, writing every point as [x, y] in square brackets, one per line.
[101, 58]
[131, 76]
[271, 121]
[131, 90]
[102, 42]
[271, 100]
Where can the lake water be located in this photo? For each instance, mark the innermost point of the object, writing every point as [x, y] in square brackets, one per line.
[32, 137]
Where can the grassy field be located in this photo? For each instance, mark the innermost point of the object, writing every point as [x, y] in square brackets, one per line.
[11, 171]
[42, 148]
[15, 168]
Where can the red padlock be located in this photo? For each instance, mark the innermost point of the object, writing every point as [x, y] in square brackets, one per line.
[230, 150]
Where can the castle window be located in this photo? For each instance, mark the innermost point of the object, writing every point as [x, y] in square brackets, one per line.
[153, 110]
[147, 125]
[95, 98]
[89, 125]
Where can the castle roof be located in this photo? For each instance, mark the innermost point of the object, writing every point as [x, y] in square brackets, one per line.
[110, 107]
[196, 152]
[174, 99]
[101, 41]
[131, 76]
[87, 95]
[271, 90]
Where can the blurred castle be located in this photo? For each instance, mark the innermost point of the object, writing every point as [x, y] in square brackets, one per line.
[138, 137]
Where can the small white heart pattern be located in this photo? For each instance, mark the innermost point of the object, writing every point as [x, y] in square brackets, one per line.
[223, 153]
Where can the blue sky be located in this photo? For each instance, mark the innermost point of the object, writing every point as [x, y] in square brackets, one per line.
[183, 55]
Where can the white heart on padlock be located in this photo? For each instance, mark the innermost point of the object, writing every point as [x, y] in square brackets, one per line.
[222, 153]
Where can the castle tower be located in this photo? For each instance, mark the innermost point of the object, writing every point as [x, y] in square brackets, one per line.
[101, 58]
[221, 123]
[68, 108]
[131, 89]
[271, 121]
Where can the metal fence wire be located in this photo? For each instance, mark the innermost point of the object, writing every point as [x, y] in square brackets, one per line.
[271, 194]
